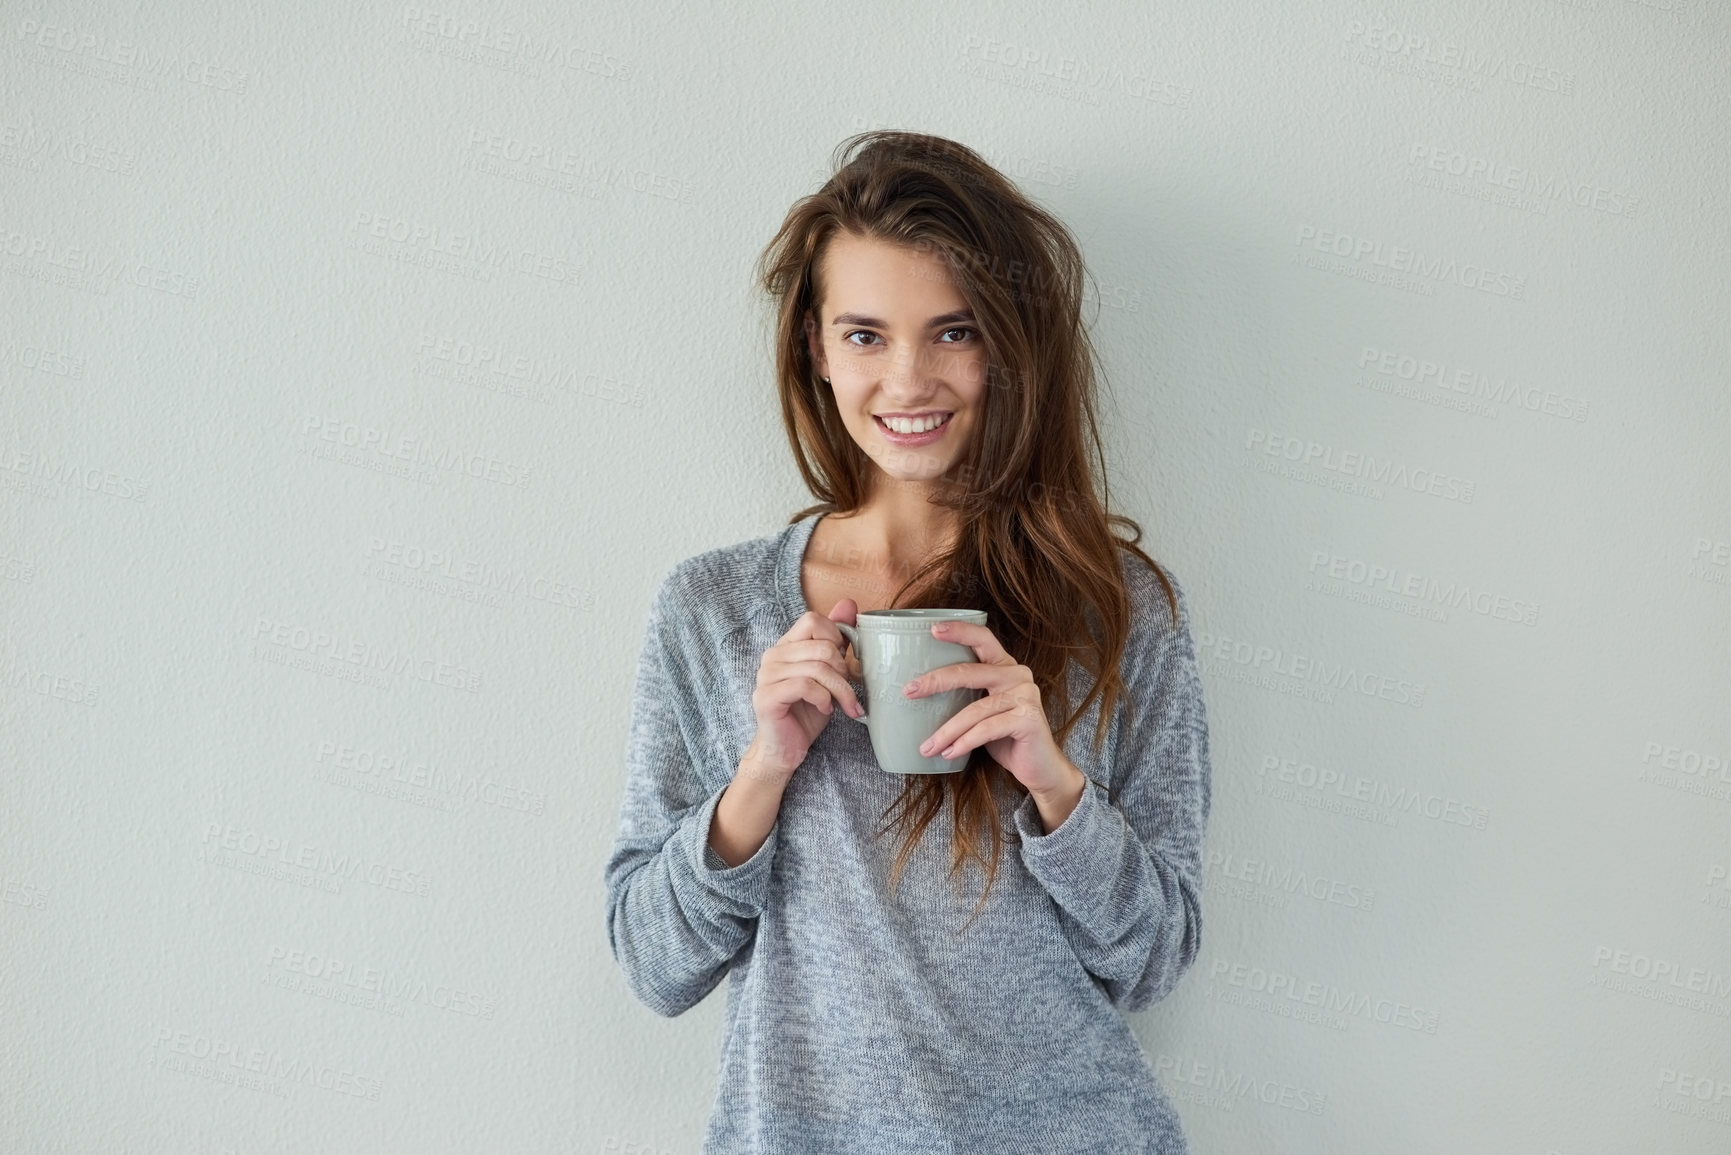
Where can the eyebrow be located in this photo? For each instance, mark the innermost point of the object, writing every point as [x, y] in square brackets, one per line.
[875, 323]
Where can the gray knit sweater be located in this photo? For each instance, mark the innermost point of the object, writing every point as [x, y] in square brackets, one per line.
[858, 1020]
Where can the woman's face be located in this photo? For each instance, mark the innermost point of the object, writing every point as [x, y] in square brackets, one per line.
[896, 338]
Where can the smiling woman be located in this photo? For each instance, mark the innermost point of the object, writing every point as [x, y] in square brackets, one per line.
[900, 375]
[937, 388]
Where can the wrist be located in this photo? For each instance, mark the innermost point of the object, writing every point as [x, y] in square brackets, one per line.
[760, 772]
[1070, 786]
[1056, 804]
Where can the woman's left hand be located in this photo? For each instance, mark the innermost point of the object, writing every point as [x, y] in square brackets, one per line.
[1010, 721]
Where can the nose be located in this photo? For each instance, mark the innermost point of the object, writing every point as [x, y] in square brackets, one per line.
[903, 363]
[903, 376]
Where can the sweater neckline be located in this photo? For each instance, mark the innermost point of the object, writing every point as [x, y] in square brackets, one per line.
[789, 592]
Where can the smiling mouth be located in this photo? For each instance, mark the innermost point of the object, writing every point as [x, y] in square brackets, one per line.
[886, 427]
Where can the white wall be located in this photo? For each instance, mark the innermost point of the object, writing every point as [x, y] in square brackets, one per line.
[1481, 246]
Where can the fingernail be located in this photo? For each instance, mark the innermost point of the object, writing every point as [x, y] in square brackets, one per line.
[908, 690]
[926, 746]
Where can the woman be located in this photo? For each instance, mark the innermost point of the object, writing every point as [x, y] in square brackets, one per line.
[878, 1005]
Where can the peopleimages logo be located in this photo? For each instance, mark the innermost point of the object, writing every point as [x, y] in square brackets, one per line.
[1485, 173]
[1470, 382]
[1401, 261]
[149, 63]
[1718, 889]
[221, 838]
[1686, 761]
[1224, 1086]
[1276, 985]
[1695, 980]
[209, 1056]
[327, 975]
[1682, 1092]
[1686, 770]
[1260, 872]
[1702, 1087]
[1285, 774]
[1270, 660]
[1359, 467]
[1391, 579]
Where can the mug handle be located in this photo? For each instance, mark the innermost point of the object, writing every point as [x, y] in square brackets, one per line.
[852, 636]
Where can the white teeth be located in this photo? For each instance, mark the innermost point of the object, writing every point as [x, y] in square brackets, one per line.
[914, 424]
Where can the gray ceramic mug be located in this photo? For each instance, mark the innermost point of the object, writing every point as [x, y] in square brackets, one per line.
[895, 647]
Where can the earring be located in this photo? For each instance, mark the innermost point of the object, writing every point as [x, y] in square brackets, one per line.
[825, 380]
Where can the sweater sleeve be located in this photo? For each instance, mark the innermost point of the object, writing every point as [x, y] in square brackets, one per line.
[676, 914]
[1125, 872]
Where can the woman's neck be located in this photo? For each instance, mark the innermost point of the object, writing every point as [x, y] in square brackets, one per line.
[899, 525]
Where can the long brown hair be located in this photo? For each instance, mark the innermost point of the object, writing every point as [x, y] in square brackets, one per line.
[1036, 548]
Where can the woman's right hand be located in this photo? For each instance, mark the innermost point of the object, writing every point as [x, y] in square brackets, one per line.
[799, 681]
